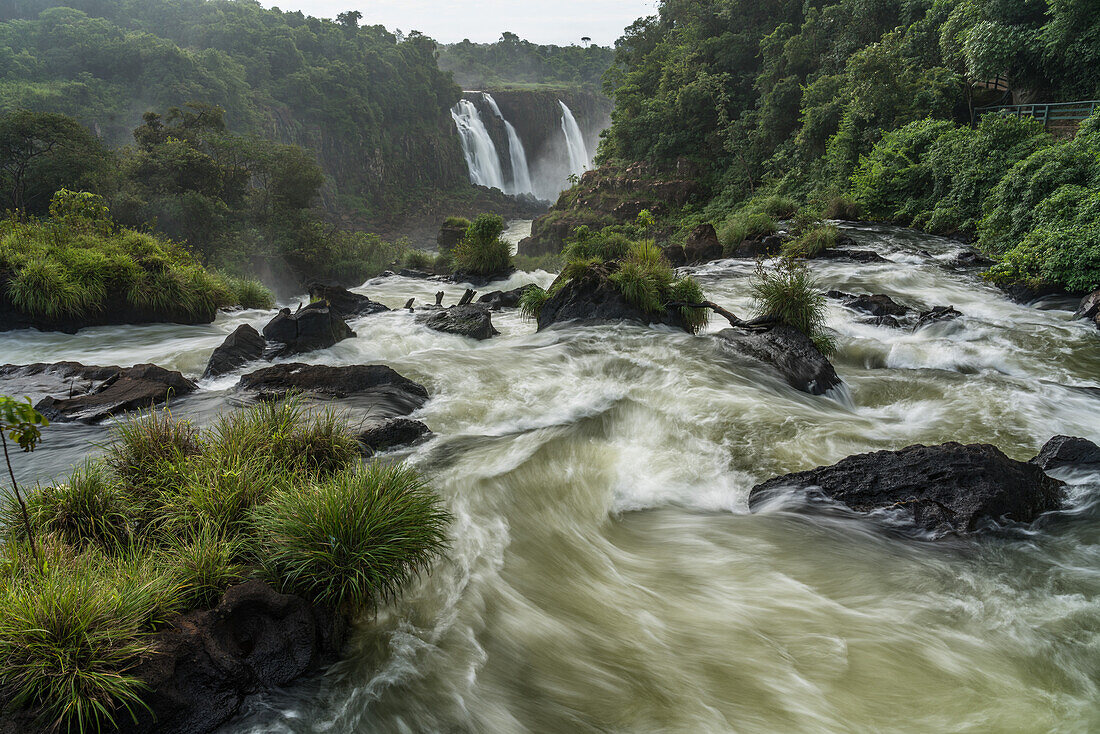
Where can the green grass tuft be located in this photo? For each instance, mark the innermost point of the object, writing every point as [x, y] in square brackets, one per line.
[744, 224]
[790, 293]
[482, 251]
[532, 301]
[812, 242]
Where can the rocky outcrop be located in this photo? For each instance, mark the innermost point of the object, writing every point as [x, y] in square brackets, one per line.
[1067, 451]
[949, 488]
[592, 298]
[391, 392]
[244, 345]
[789, 352]
[971, 259]
[89, 394]
[936, 314]
[505, 299]
[1089, 308]
[341, 299]
[204, 665]
[449, 236]
[472, 320]
[392, 433]
[477, 280]
[314, 327]
[877, 304]
[702, 245]
[754, 247]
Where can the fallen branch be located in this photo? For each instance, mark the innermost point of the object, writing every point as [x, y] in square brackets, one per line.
[761, 323]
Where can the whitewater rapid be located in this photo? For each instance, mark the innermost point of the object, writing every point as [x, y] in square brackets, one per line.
[605, 575]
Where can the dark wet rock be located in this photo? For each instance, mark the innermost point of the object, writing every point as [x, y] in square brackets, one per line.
[888, 321]
[1029, 294]
[1063, 451]
[89, 394]
[397, 393]
[505, 299]
[1089, 308]
[936, 314]
[947, 488]
[790, 352]
[971, 259]
[314, 327]
[204, 666]
[477, 280]
[702, 245]
[877, 304]
[412, 273]
[244, 345]
[675, 255]
[347, 303]
[449, 236]
[845, 241]
[592, 298]
[754, 247]
[844, 253]
[472, 320]
[391, 433]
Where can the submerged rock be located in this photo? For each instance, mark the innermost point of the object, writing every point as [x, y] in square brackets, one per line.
[971, 259]
[505, 299]
[937, 314]
[244, 345]
[947, 488]
[204, 666]
[398, 395]
[844, 253]
[1089, 308]
[92, 394]
[314, 327]
[391, 433]
[470, 320]
[877, 304]
[790, 352]
[1068, 451]
[347, 303]
[592, 298]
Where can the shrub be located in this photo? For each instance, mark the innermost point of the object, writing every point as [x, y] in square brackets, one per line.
[352, 539]
[605, 244]
[532, 301]
[841, 207]
[686, 290]
[456, 223]
[250, 293]
[482, 251]
[777, 207]
[418, 260]
[744, 224]
[812, 243]
[789, 293]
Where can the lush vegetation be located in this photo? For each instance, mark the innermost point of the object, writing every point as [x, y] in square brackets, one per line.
[346, 92]
[77, 263]
[170, 518]
[482, 251]
[513, 62]
[789, 293]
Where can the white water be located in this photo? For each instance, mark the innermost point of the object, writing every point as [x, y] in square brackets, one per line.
[605, 575]
[574, 141]
[477, 147]
[521, 175]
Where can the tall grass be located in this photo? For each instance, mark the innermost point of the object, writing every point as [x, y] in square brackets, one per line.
[482, 251]
[88, 509]
[812, 243]
[791, 294]
[532, 301]
[744, 224]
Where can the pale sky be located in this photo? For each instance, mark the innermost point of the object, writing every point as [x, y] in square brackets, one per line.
[542, 21]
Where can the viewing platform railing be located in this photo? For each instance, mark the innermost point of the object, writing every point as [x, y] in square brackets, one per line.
[1056, 112]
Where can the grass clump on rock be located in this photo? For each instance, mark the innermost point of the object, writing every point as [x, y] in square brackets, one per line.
[745, 224]
[481, 250]
[812, 242]
[789, 293]
[169, 519]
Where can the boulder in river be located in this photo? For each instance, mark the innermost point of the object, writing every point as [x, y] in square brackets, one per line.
[242, 346]
[472, 320]
[790, 352]
[1068, 451]
[203, 667]
[1089, 308]
[314, 327]
[940, 489]
[702, 245]
[391, 433]
[754, 247]
[592, 298]
[395, 393]
[347, 303]
[877, 304]
[844, 253]
[936, 314]
[92, 394]
[505, 299]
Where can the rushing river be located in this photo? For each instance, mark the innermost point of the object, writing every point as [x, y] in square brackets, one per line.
[605, 575]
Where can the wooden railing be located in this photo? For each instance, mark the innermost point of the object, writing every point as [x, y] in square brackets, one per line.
[1053, 113]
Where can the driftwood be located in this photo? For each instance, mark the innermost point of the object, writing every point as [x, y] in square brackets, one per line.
[439, 298]
[467, 297]
[762, 323]
[409, 304]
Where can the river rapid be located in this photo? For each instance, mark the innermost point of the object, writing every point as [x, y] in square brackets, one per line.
[605, 574]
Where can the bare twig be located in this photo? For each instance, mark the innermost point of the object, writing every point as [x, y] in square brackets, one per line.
[761, 323]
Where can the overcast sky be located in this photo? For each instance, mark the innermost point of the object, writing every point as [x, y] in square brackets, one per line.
[542, 21]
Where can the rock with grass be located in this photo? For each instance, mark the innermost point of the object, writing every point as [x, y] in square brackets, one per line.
[1071, 452]
[787, 351]
[389, 393]
[315, 326]
[950, 488]
[1089, 308]
[472, 320]
[242, 346]
[593, 298]
[753, 247]
[347, 303]
[392, 433]
[505, 299]
[73, 392]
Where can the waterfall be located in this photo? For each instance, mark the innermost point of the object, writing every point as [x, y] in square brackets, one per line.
[521, 175]
[574, 141]
[477, 146]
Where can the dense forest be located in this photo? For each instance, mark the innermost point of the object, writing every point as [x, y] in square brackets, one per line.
[830, 103]
[513, 62]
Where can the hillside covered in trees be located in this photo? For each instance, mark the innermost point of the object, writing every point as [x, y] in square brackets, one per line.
[513, 62]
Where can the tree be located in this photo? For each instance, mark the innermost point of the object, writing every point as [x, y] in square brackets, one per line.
[43, 152]
[586, 40]
[21, 422]
[349, 18]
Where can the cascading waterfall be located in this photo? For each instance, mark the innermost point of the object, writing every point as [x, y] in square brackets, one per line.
[521, 175]
[574, 141]
[477, 147]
